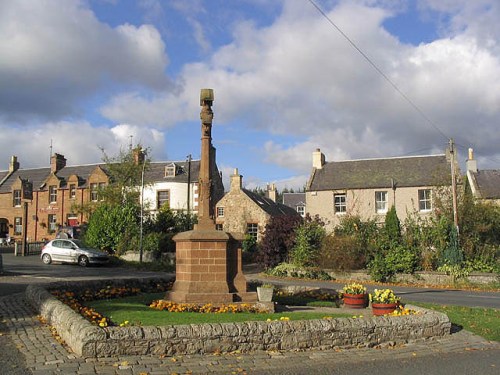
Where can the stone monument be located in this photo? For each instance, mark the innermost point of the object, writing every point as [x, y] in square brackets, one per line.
[208, 261]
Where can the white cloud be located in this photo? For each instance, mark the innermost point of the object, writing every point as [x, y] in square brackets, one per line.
[79, 142]
[56, 53]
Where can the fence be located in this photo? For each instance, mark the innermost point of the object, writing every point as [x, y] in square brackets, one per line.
[32, 248]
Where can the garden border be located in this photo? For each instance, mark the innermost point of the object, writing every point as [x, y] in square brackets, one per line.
[89, 340]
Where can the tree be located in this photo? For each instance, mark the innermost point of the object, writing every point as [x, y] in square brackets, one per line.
[308, 239]
[278, 240]
[125, 175]
[110, 224]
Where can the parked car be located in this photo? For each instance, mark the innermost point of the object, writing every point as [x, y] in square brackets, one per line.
[72, 251]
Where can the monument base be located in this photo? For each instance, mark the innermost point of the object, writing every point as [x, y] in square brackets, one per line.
[208, 269]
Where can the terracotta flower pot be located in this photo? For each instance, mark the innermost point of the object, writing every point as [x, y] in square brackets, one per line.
[356, 301]
[379, 309]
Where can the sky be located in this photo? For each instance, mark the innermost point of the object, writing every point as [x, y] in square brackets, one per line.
[356, 78]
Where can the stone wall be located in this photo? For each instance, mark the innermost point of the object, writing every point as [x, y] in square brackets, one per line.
[88, 340]
[420, 277]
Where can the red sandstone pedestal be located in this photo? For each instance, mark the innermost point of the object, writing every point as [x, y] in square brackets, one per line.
[208, 269]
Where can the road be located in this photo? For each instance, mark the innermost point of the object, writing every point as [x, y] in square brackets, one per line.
[21, 271]
[461, 353]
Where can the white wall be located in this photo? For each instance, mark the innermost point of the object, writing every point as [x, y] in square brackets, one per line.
[178, 195]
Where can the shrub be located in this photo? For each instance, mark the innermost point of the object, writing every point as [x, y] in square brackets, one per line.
[278, 240]
[308, 238]
[341, 253]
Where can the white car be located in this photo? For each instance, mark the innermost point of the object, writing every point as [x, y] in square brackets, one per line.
[72, 251]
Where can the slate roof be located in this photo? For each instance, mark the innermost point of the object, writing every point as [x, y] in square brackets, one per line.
[488, 183]
[269, 206]
[431, 170]
[156, 173]
[294, 199]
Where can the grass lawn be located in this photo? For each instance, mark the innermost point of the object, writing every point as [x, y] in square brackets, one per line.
[136, 310]
[480, 321]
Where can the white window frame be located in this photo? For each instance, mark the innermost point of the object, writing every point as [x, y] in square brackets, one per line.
[17, 198]
[72, 191]
[301, 210]
[425, 200]
[170, 170]
[18, 225]
[94, 196]
[53, 194]
[52, 222]
[381, 202]
[220, 211]
[339, 204]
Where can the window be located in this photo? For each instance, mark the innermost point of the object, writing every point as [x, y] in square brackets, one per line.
[52, 194]
[301, 210]
[18, 225]
[381, 202]
[100, 188]
[170, 170]
[340, 203]
[424, 200]
[220, 211]
[253, 230]
[16, 196]
[52, 219]
[219, 226]
[162, 198]
[72, 191]
[94, 196]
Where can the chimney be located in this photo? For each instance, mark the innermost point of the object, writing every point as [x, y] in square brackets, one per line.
[57, 162]
[318, 159]
[139, 156]
[471, 164]
[236, 181]
[14, 164]
[271, 192]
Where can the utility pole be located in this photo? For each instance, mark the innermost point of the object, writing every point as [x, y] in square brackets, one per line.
[189, 184]
[454, 184]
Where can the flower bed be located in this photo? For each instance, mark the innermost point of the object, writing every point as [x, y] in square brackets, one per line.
[89, 339]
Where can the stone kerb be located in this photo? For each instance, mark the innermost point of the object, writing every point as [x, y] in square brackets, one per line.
[88, 340]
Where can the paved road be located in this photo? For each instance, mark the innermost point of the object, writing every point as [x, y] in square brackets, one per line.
[27, 346]
[432, 295]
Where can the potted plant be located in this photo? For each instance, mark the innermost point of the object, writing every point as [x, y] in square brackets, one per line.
[265, 292]
[355, 296]
[384, 301]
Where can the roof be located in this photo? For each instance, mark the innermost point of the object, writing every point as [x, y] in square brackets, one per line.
[431, 170]
[488, 183]
[156, 173]
[294, 199]
[269, 206]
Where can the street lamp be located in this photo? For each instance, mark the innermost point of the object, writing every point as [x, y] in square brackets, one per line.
[142, 203]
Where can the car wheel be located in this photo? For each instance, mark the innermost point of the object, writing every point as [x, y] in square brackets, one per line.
[46, 259]
[83, 261]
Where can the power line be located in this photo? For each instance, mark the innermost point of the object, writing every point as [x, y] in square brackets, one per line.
[374, 66]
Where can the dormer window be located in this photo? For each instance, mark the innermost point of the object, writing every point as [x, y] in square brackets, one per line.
[170, 170]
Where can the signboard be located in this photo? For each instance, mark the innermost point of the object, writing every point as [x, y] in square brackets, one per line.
[27, 190]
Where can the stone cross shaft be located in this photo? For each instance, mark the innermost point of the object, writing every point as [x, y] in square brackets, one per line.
[205, 208]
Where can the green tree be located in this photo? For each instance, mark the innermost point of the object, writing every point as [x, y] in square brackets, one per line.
[109, 224]
[308, 239]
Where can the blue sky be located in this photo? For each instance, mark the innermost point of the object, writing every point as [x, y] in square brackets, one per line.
[91, 73]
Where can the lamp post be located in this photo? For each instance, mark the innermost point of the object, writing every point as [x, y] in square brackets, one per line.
[142, 204]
